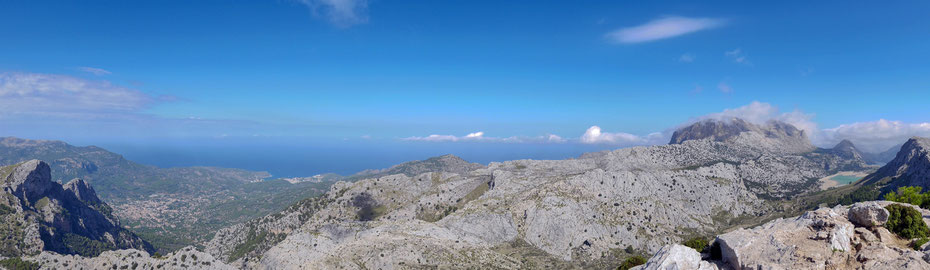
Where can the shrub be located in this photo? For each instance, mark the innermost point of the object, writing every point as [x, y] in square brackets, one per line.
[919, 242]
[906, 222]
[909, 195]
[697, 243]
[18, 264]
[631, 262]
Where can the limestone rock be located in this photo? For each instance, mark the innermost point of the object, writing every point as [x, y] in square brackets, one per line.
[83, 191]
[911, 167]
[185, 258]
[868, 214]
[677, 257]
[548, 213]
[42, 215]
[820, 239]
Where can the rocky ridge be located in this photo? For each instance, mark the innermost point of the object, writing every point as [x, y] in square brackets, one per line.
[173, 207]
[39, 214]
[911, 167]
[584, 212]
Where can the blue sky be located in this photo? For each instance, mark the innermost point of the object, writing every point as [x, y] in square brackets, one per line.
[139, 74]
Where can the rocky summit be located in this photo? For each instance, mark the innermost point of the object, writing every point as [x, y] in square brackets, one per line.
[37, 214]
[773, 135]
[841, 237]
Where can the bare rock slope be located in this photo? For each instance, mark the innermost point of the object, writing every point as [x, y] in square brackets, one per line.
[911, 167]
[584, 212]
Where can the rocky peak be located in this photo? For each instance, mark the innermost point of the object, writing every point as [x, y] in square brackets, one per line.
[774, 136]
[911, 167]
[444, 163]
[723, 130]
[844, 145]
[30, 179]
[717, 130]
[846, 149]
[43, 215]
[83, 191]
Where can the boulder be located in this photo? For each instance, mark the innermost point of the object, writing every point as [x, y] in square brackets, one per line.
[677, 257]
[868, 214]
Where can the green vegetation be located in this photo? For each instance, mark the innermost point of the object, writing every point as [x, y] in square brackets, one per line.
[906, 222]
[697, 243]
[12, 232]
[4, 209]
[41, 203]
[84, 246]
[253, 242]
[919, 242]
[910, 195]
[632, 262]
[5, 171]
[16, 263]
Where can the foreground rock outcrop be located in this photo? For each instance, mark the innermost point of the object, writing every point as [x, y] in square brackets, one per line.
[842, 237]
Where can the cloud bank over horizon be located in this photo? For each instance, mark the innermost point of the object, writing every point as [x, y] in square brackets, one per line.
[871, 136]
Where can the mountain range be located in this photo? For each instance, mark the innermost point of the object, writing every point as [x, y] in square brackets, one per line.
[172, 207]
[588, 212]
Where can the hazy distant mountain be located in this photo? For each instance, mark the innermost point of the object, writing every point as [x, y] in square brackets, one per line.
[910, 167]
[119, 179]
[585, 212]
[38, 214]
[773, 135]
[846, 149]
[882, 157]
[445, 163]
[171, 207]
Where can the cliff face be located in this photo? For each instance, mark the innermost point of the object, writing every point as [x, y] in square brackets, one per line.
[39, 214]
[910, 167]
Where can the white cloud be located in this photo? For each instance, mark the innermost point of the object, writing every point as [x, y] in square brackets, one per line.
[686, 58]
[662, 28]
[594, 135]
[877, 136]
[555, 138]
[342, 13]
[737, 56]
[95, 71]
[31, 94]
[725, 88]
[479, 137]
